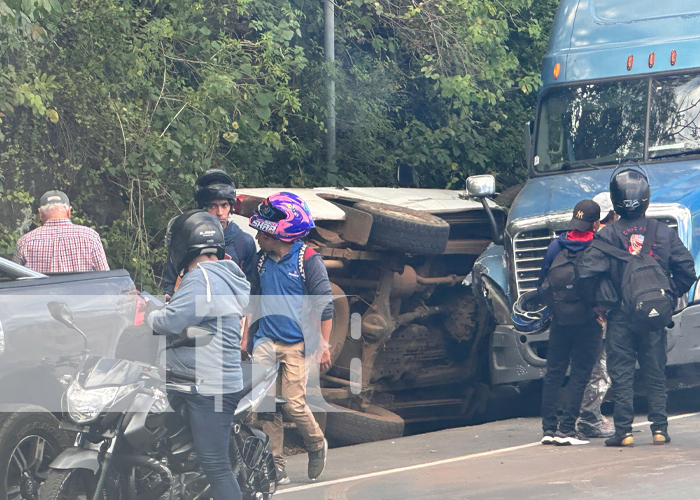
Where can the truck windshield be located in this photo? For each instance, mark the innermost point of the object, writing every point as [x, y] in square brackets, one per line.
[598, 124]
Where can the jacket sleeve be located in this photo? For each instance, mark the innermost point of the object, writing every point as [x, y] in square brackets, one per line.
[181, 311]
[681, 266]
[552, 251]
[169, 277]
[248, 255]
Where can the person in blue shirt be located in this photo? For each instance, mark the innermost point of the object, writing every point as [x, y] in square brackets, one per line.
[215, 192]
[296, 314]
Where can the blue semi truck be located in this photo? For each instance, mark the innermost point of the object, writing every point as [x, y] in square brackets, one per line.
[621, 81]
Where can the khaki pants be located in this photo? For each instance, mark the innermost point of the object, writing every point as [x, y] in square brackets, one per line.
[293, 377]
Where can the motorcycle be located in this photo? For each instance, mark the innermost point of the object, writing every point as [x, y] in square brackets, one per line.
[133, 440]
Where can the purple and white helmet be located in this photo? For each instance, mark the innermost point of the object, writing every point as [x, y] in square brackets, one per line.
[284, 216]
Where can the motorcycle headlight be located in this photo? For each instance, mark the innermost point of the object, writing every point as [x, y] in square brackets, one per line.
[84, 406]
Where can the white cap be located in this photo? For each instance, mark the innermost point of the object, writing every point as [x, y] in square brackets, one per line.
[605, 203]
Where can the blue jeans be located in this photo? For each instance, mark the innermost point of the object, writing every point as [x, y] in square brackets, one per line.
[211, 431]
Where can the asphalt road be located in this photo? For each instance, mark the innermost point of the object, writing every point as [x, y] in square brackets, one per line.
[504, 460]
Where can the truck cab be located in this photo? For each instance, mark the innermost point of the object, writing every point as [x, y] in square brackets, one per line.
[621, 81]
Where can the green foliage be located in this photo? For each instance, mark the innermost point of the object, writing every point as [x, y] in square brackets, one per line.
[122, 104]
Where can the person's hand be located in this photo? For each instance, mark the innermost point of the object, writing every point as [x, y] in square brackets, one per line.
[324, 359]
[245, 355]
[167, 298]
[601, 320]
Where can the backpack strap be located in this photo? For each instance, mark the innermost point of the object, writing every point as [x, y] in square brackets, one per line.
[611, 250]
[649, 236]
[261, 261]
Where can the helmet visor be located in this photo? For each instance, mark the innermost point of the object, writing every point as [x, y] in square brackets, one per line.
[267, 211]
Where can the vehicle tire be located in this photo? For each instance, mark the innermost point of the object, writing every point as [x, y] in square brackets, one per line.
[508, 195]
[341, 323]
[347, 427]
[29, 441]
[76, 484]
[406, 230]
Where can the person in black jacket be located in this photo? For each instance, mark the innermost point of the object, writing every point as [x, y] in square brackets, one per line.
[575, 334]
[215, 192]
[627, 343]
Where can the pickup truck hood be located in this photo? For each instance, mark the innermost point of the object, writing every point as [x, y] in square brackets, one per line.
[675, 182]
[435, 201]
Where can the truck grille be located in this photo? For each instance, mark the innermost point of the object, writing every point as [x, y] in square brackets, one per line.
[529, 248]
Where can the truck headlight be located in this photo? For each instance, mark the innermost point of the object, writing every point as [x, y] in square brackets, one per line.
[84, 406]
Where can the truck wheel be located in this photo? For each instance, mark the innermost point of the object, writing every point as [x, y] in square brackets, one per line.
[346, 427]
[29, 441]
[406, 230]
[341, 322]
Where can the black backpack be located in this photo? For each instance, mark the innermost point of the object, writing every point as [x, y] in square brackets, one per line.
[647, 296]
[560, 293]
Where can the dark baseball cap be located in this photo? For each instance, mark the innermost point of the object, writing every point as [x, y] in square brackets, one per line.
[54, 197]
[586, 212]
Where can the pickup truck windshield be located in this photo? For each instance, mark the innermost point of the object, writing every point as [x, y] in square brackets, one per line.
[598, 124]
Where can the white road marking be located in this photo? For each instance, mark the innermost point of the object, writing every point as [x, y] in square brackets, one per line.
[436, 463]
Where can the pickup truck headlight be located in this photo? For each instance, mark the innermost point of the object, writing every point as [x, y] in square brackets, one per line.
[84, 406]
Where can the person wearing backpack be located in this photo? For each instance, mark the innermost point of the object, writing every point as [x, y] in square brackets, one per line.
[649, 267]
[295, 317]
[592, 423]
[574, 337]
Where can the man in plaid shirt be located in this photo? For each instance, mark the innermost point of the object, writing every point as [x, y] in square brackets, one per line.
[59, 246]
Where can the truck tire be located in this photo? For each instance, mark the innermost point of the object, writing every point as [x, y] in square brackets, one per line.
[29, 435]
[341, 323]
[406, 230]
[346, 427]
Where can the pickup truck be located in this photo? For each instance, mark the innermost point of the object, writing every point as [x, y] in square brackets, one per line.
[35, 360]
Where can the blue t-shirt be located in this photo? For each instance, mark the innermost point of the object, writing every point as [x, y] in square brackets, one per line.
[283, 294]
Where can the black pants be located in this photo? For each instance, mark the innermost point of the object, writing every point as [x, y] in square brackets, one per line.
[625, 345]
[578, 346]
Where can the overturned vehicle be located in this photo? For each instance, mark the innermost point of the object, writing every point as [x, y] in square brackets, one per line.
[409, 342]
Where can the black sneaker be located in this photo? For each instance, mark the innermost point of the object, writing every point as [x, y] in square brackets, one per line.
[571, 438]
[547, 437]
[623, 440]
[317, 461]
[282, 477]
[660, 437]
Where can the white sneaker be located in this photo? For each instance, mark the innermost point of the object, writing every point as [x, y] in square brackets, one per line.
[572, 438]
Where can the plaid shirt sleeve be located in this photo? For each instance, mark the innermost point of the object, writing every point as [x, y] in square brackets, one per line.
[18, 256]
[99, 259]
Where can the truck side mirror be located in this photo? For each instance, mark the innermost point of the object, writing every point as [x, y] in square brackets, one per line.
[407, 177]
[61, 313]
[481, 186]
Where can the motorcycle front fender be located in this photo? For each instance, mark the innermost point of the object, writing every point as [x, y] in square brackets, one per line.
[77, 458]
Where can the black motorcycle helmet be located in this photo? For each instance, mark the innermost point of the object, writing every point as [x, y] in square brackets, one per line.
[194, 233]
[213, 185]
[629, 191]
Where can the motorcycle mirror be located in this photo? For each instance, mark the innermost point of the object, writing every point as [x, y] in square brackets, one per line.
[61, 313]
